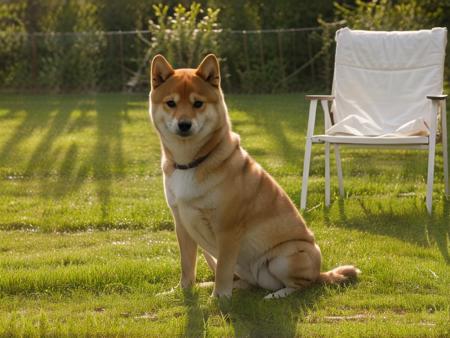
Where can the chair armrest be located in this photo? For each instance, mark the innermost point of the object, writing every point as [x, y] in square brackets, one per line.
[320, 97]
[324, 99]
[437, 97]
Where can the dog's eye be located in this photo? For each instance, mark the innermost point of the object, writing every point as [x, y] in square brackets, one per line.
[171, 103]
[198, 104]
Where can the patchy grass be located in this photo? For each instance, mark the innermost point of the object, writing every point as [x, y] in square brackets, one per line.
[86, 246]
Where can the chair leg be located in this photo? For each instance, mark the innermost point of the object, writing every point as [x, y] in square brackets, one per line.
[306, 163]
[327, 175]
[337, 156]
[445, 155]
[444, 145]
[430, 177]
[431, 157]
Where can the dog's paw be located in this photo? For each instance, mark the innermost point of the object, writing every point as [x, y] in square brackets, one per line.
[225, 294]
[167, 293]
[205, 285]
[282, 293]
[186, 283]
[183, 285]
[222, 300]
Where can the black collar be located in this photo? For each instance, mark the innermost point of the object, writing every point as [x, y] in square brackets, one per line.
[193, 164]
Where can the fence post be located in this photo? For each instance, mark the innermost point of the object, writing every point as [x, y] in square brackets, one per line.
[261, 50]
[244, 37]
[294, 51]
[33, 60]
[310, 56]
[122, 66]
[280, 53]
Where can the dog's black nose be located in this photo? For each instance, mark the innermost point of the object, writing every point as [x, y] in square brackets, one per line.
[184, 126]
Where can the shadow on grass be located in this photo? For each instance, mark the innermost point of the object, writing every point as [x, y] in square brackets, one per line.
[107, 157]
[414, 226]
[196, 318]
[45, 154]
[439, 230]
[57, 158]
[34, 120]
[272, 318]
[273, 118]
[252, 316]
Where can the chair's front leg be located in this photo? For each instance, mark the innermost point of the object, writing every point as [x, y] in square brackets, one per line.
[308, 146]
[306, 163]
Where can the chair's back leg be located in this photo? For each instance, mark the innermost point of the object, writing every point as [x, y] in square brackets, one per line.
[337, 156]
[430, 178]
[431, 156]
[444, 144]
[327, 175]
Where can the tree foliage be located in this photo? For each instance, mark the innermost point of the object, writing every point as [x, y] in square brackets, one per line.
[391, 15]
[185, 31]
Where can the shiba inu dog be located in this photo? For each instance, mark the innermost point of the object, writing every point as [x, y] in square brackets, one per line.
[221, 199]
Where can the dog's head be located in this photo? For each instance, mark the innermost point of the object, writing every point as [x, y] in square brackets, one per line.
[186, 104]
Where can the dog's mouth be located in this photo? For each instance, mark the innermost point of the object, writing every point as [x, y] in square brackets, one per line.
[184, 133]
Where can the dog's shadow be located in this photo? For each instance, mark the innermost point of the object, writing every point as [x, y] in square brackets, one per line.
[196, 317]
[271, 318]
[252, 316]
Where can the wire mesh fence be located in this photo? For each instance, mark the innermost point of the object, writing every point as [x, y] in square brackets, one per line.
[252, 61]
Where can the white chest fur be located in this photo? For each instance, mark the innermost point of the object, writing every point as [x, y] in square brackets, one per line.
[183, 185]
[195, 203]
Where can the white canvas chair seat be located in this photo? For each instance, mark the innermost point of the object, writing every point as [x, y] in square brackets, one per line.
[380, 87]
[360, 126]
[370, 140]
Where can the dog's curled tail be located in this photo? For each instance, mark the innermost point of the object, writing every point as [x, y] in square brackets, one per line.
[339, 274]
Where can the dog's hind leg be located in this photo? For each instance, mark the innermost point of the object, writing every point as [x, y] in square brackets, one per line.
[241, 284]
[296, 264]
[212, 263]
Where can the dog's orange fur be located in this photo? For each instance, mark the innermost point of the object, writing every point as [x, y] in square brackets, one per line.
[228, 204]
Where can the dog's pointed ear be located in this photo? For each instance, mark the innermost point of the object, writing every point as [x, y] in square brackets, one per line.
[160, 71]
[209, 70]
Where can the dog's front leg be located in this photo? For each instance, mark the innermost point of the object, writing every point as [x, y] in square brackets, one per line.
[188, 252]
[228, 250]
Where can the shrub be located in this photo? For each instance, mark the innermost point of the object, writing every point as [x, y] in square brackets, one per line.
[72, 61]
[13, 41]
[389, 15]
[186, 36]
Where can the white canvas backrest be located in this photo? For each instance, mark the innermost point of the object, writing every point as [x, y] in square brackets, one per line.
[383, 77]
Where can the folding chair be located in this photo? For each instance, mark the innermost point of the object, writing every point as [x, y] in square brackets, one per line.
[387, 92]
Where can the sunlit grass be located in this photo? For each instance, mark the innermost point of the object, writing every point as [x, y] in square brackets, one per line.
[86, 242]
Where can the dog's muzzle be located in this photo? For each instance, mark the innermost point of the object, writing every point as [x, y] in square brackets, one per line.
[184, 128]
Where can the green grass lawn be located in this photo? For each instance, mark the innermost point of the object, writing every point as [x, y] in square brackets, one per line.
[86, 240]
